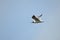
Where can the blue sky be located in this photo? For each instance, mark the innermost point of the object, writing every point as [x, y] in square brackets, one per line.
[15, 20]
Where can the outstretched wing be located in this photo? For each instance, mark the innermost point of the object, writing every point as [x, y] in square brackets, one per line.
[35, 18]
[40, 15]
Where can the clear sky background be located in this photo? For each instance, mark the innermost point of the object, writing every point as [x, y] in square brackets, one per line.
[15, 20]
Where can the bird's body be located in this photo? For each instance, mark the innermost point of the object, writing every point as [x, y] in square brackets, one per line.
[36, 19]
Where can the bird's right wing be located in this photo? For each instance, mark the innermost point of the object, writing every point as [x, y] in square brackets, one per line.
[40, 15]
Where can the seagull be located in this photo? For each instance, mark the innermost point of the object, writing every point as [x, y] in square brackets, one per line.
[37, 19]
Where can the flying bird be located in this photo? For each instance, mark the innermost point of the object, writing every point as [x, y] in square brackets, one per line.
[37, 19]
